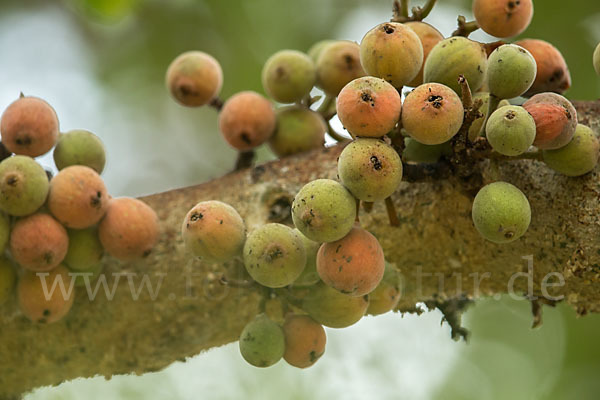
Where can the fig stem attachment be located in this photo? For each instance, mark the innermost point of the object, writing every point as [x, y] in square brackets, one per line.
[420, 13]
[465, 28]
[245, 159]
[334, 135]
[400, 11]
[467, 96]
[404, 4]
[217, 103]
[391, 211]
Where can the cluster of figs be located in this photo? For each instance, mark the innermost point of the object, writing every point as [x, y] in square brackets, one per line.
[55, 230]
[326, 269]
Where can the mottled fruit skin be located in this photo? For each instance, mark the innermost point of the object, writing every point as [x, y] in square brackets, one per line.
[453, 57]
[354, 265]
[80, 147]
[262, 342]
[333, 309]
[214, 231]
[432, 114]
[4, 231]
[85, 250]
[550, 120]
[78, 197]
[424, 153]
[552, 73]
[578, 157]
[274, 255]
[552, 131]
[315, 50]
[503, 18]
[23, 185]
[33, 301]
[194, 78]
[501, 212]
[370, 169]
[8, 279]
[38, 242]
[288, 76]
[338, 64]
[247, 120]
[129, 229]
[511, 71]
[392, 51]
[309, 275]
[387, 294]
[369, 107]
[596, 59]
[429, 37]
[29, 127]
[511, 130]
[298, 130]
[324, 210]
[305, 340]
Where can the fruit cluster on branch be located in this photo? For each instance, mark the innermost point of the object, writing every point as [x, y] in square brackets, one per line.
[54, 230]
[465, 107]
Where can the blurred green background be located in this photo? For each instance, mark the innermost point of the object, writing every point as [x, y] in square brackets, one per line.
[101, 64]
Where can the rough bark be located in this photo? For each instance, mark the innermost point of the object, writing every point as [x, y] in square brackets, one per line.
[193, 312]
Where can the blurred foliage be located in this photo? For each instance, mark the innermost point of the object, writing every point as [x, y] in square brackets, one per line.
[106, 11]
[243, 33]
[102, 64]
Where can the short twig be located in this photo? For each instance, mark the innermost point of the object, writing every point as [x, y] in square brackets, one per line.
[306, 101]
[490, 47]
[313, 100]
[462, 159]
[217, 103]
[420, 13]
[4, 153]
[400, 11]
[467, 96]
[391, 212]
[244, 160]
[404, 8]
[465, 28]
[334, 135]
[397, 139]
[461, 140]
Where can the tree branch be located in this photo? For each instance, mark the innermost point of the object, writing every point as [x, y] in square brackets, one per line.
[438, 250]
